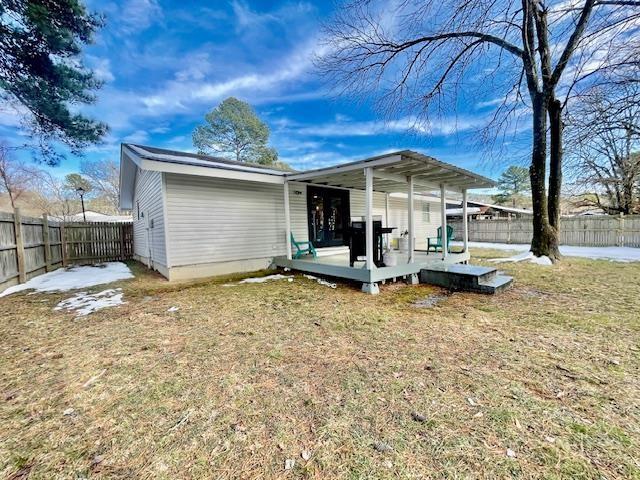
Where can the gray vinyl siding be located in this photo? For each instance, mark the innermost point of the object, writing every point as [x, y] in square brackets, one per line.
[358, 208]
[148, 217]
[216, 220]
[298, 211]
[424, 227]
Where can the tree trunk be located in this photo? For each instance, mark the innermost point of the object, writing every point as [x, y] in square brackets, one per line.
[627, 195]
[555, 174]
[545, 239]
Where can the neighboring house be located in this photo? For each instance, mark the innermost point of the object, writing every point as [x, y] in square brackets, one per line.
[92, 216]
[484, 211]
[197, 215]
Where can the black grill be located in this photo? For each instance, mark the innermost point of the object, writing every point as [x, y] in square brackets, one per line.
[357, 241]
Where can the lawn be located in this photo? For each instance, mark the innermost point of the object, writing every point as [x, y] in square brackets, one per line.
[540, 381]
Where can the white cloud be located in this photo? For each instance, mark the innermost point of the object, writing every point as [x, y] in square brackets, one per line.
[247, 19]
[101, 67]
[139, 136]
[138, 15]
[313, 160]
[408, 125]
[11, 116]
[188, 88]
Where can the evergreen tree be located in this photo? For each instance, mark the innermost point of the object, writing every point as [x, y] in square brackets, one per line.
[513, 181]
[233, 129]
[41, 73]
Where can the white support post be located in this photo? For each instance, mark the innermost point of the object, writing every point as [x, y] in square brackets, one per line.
[371, 288]
[287, 219]
[386, 210]
[443, 212]
[368, 172]
[465, 221]
[410, 220]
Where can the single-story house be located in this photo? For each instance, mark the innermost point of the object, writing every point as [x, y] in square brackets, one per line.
[93, 216]
[485, 211]
[197, 215]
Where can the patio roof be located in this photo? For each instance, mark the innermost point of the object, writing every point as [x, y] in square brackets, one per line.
[390, 173]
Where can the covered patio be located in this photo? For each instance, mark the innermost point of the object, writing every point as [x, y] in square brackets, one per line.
[406, 172]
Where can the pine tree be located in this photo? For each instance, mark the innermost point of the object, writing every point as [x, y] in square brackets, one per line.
[513, 181]
[41, 73]
[233, 129]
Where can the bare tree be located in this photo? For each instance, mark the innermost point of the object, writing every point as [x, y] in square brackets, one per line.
[105, 178]
[424, 56]
[15, 176]
[604, 141]
[52, 195]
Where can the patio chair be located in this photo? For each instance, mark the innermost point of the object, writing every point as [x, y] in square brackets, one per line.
[436, 243]
[303, 248]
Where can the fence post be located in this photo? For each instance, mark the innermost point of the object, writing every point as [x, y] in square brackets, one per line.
[63, 244]
[621, 230]
[47, 244]
[509, 228]
[122, 252]
[17, 225]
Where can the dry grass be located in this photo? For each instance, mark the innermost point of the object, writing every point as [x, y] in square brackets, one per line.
[242, 378]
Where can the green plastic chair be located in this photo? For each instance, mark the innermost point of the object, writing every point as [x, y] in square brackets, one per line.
[436, 243]
[303, 248]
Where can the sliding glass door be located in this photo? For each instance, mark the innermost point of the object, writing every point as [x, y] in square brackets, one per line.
[328, 215]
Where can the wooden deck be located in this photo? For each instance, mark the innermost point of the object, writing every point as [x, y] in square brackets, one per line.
[337, 265]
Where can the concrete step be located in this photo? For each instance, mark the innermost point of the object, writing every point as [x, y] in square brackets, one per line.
[472, 278]
[496, 284]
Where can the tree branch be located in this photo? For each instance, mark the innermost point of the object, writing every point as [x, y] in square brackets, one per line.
[485, 37]
[573, 42]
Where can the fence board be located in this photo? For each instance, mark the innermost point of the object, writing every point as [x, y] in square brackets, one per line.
[589, 231]
[46, 245]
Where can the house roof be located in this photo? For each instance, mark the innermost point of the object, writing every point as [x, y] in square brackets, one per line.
[93, 216]
[197, 159]
[454, 202]
[390, 171]
[460, 211]
[502, 207]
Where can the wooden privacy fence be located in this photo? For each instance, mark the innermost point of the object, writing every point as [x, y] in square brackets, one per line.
[32, 246]
[591, 231]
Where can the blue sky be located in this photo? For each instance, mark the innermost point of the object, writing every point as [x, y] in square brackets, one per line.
[166, 63]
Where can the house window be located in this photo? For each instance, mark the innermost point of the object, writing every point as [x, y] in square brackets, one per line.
[426, 212]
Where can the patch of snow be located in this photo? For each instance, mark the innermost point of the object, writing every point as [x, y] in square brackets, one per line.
[84, 303]
[614, 254]
[173, 309]
[73, 278]
[268, 278]
[525, 256]
[321, 281]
